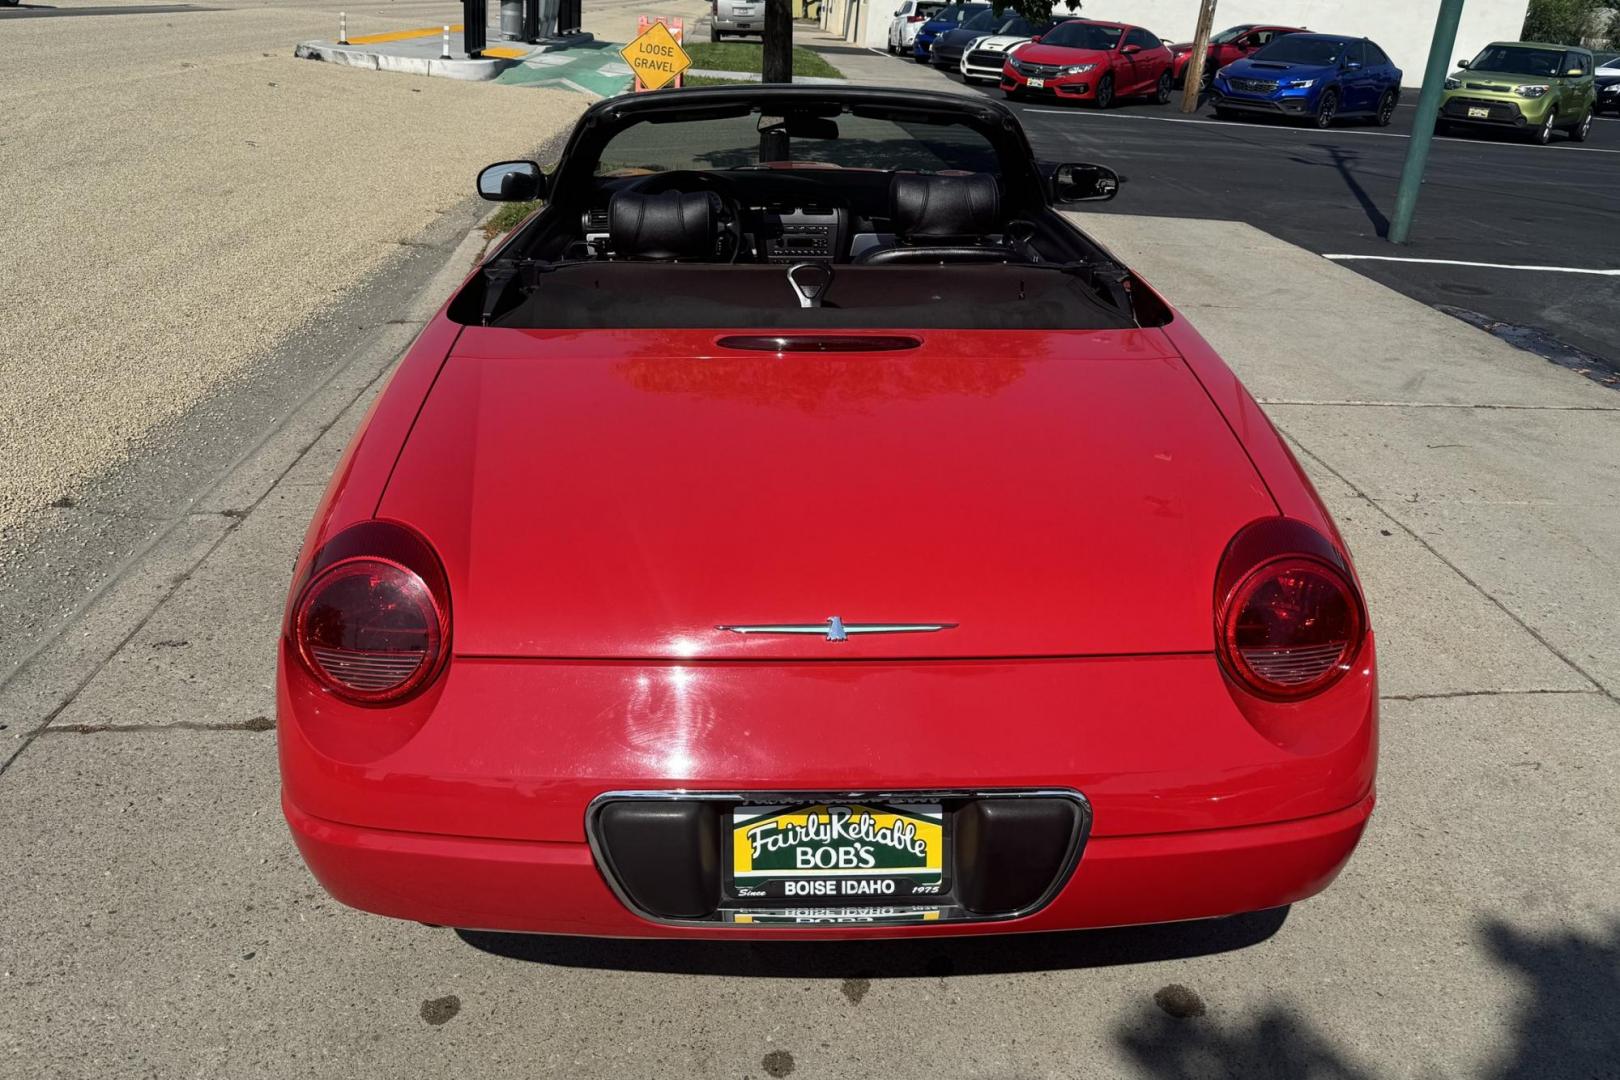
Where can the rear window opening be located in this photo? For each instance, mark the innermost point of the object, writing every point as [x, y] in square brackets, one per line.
[629, 295]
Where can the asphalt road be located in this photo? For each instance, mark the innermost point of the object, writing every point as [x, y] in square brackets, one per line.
[1488, 199]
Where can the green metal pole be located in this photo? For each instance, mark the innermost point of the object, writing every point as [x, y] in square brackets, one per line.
[1417, 150]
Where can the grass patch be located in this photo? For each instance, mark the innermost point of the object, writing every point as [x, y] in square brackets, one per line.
[749, 56]
[704, 80]
[504, 219]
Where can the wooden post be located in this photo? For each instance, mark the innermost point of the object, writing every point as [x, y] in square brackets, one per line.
[776, 65]
[1194, 71]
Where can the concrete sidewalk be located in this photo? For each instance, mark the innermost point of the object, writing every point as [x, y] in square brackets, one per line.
[1503, 468]
[159, 922]
[861, 65]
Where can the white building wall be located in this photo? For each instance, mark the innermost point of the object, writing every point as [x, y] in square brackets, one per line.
[1403, 28]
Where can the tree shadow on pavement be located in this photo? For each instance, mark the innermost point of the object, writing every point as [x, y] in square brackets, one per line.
[1571, 1027]
[899, 958]
[1568, 1029]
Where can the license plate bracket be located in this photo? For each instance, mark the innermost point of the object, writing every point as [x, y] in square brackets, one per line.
[836, 854]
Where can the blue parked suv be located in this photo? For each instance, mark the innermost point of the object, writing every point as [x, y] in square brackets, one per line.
[945, 19]
[1315, 77]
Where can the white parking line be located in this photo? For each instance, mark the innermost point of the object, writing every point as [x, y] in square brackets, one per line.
[1312, 131]
[1483, 265]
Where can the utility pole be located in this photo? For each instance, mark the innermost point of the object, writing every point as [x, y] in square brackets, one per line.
[776, 64]
[1194, 77]
[1428, 109]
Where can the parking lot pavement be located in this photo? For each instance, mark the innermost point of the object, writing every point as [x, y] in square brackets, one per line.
[1487, 199]
[160, 923]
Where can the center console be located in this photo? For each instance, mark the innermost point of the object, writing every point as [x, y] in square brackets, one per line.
[796, 234]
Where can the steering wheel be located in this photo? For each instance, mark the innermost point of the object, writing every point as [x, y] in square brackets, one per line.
[690, 180]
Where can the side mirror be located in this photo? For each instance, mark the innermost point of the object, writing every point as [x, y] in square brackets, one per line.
[1462, 64]
[1079, 182]
[512, 181]
[1131, 50]
[1036, 40]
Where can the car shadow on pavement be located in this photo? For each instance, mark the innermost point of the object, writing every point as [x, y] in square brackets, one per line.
[890, 959]
[1568, 1026]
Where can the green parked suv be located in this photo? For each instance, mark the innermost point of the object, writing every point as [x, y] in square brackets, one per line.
[1525, 85]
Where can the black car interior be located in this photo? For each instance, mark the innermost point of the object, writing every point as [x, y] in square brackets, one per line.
[927, 218]
[713, 247]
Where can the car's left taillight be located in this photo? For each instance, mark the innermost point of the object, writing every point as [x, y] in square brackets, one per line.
[372, 624]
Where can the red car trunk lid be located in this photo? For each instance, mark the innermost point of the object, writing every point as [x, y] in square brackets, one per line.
[608, 494]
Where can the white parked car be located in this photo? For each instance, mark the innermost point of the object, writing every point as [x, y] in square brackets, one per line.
[908, 19]
[984, 57]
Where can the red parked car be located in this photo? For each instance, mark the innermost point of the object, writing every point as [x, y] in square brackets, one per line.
[1233, 43]
[799, 528]
[1085, 60]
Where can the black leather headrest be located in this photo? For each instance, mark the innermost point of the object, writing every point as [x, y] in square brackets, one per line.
[944, 208]
[669, 225]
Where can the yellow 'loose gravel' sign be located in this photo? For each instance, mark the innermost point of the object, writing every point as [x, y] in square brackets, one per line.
[656, 57]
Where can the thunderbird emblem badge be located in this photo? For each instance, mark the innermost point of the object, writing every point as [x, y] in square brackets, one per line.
[836, 629]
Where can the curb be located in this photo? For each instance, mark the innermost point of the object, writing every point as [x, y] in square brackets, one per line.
[753, 76]
[466, 70]
[45, 681]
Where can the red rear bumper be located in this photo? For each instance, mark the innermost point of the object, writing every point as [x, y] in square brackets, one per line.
[555, 888]
[468, 807]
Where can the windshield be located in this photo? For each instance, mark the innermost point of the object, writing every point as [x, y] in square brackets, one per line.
[848, 142]
[955, 13]
[1083, 35]
[1298, 49]
[1511, 60]
[984, 20]
[1226, 36]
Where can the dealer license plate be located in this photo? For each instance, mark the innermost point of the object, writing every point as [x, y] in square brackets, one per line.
[1037, 83]
[837, 854]
[1479, 114]
[824, 916]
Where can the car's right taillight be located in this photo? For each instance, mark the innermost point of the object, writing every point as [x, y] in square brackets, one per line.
[372, 623]
[1289, 619]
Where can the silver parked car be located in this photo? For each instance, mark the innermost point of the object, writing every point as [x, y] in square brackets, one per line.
[736, 17]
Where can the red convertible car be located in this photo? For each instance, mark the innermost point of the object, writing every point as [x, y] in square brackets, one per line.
[1096, 62]
[800, 528]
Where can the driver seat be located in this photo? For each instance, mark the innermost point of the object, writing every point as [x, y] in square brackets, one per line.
[667, 226]
[936, 216]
